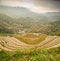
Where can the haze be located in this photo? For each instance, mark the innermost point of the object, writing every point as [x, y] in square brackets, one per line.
[38, 6]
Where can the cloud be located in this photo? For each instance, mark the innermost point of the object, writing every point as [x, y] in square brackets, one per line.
[51, 5]
[47, 3]
[34, 5]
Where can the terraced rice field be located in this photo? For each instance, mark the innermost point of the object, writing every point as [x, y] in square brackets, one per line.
[50, 42]
[11, 43]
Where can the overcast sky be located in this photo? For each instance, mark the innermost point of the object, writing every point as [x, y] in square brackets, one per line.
[38, 6]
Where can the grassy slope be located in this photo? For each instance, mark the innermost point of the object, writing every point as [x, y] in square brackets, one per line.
[31, 39]
[31, 55]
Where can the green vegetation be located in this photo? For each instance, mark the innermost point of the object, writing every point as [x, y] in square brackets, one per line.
[31, 39]
[28, 38]
[29, 25]
[31, 55]
[52, 28]
[23, 22]
[4, 34]
[55, 28]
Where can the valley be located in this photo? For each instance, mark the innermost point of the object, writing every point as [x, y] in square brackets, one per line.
[29, 36]
[12, 43]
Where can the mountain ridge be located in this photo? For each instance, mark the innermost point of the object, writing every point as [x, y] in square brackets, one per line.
[21, 12]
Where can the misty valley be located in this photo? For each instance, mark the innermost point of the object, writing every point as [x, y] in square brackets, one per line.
[29, 36]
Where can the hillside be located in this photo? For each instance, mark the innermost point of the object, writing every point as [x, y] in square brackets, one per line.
[11, 43]
[9, 25]
[19, 20]
[29, 30]
[28, 24]
[20, 12]
[56, 27]
[52, 28]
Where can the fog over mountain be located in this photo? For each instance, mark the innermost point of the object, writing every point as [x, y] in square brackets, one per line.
[38, 6]
[18, 12]
[29, 16]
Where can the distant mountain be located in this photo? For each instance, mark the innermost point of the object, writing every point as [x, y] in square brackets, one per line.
[20, 12]
[16, 19]
[51, 29]
[9, 25]
[16, 11]
[56, 27]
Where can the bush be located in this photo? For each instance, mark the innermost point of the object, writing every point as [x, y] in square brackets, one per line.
[31, 55]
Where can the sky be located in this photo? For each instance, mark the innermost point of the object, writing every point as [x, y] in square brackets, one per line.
[38, 6]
